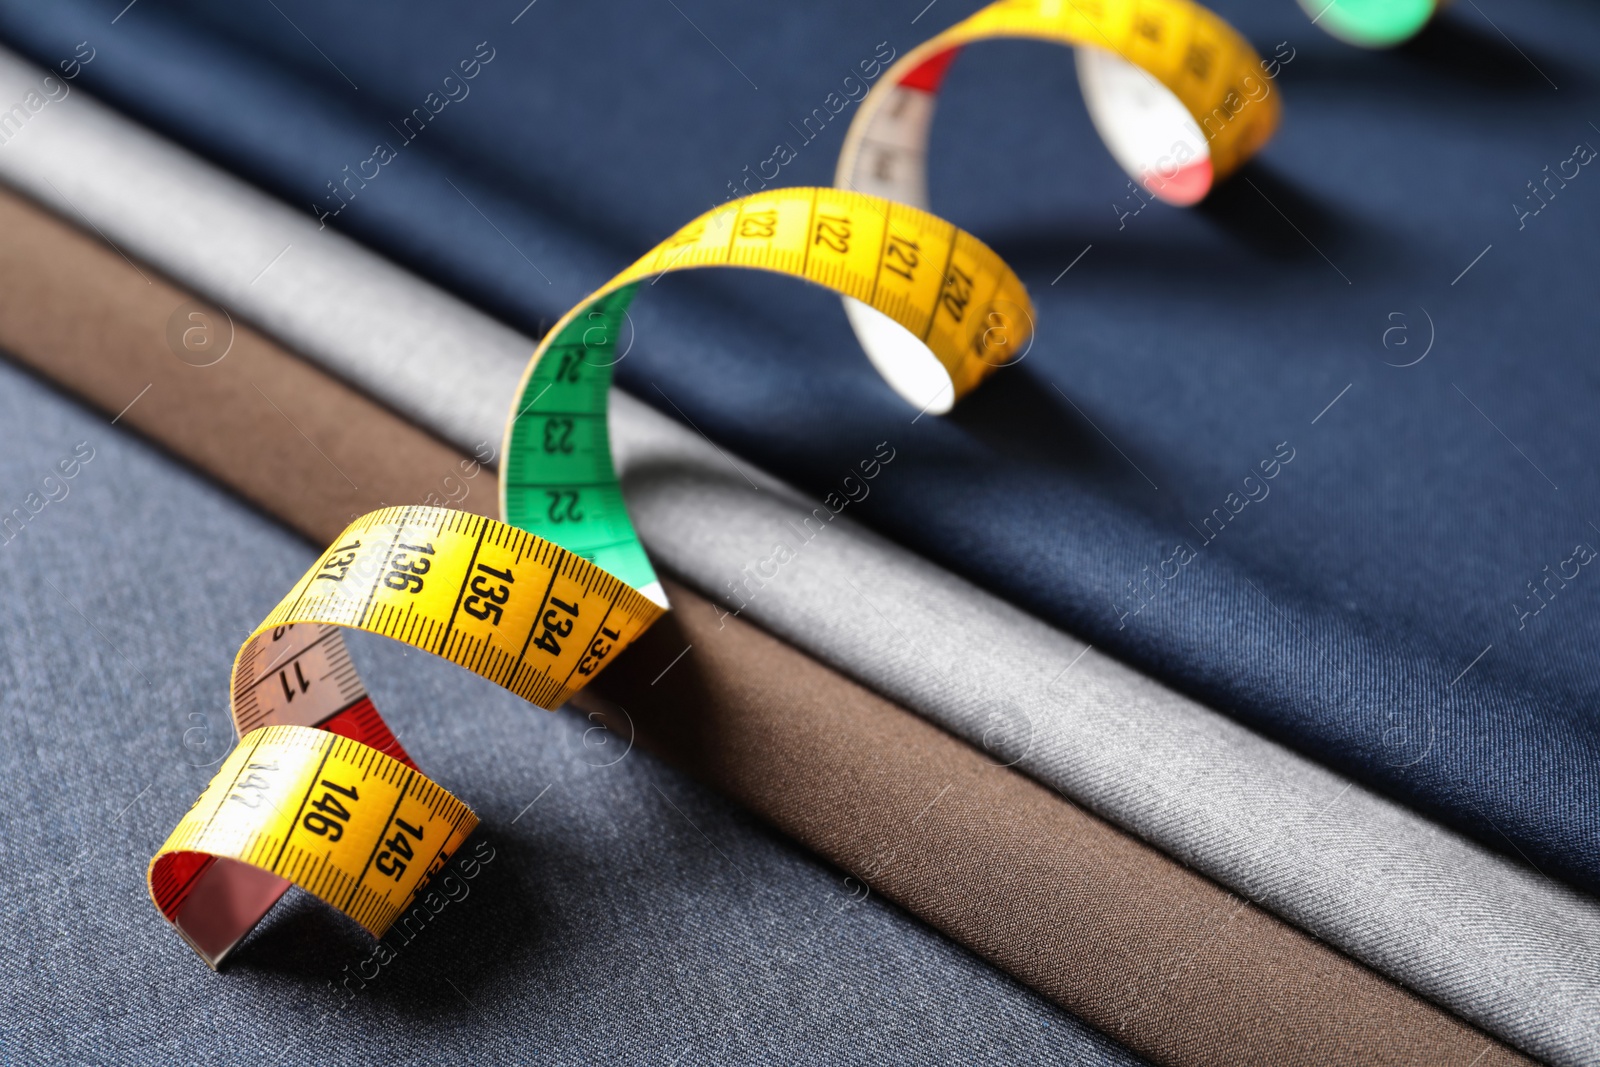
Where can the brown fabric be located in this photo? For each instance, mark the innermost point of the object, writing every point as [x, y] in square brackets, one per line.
[1153, 954]
[1156, 956]
[278, 431]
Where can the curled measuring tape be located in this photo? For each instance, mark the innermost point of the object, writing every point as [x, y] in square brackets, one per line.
[939, 292]
[1178, 96]
[318, 792]
[1372, 23]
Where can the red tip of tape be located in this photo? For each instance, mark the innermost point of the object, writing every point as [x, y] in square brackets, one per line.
[1185, 188]
[928, 76]
[361, 722]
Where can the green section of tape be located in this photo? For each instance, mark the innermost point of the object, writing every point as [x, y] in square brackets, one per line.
[1370, 23]
[557, 475]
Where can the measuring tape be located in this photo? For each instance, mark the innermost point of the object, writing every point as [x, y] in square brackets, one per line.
[940, 293]
[319, 793]
[1179, 97]
[1372, 23]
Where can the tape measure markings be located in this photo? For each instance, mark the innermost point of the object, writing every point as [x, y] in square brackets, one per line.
[854, 244]
[423, 549]
[459, 585]
[542, 602]
[1154, 73]
[314, 842]
[331, 660]
[442, 581]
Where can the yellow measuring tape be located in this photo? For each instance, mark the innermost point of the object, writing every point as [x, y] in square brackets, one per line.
[1180, 99]
[318, 793]
[1178, 96]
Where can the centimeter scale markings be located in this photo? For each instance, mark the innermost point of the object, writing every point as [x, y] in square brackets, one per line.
[352, 826]
[940, 284]
[522, 611]
[1179, 97]
[504, 603]
[319, 793]
[274, 678]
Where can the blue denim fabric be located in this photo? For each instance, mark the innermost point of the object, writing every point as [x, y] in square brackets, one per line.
[1373, 608]
[625, 914]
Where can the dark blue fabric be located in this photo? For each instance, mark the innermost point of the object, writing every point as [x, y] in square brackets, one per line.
[1374, 611]
[621, 913]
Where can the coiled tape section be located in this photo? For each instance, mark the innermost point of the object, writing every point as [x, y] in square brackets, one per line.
[1178, 96]
[319, 793]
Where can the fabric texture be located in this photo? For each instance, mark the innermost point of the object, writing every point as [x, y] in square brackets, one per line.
[1178, 969]
[617, 912]
[1114, 931]
[1508, 950]
[77, 312]
[1408, 601]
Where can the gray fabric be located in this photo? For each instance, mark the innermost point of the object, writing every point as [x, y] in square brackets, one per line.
[223, 238]
[626, 915]
[1496, 943]
[1500, 945]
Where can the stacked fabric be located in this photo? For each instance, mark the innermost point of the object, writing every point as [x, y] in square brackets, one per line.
[1232, 767]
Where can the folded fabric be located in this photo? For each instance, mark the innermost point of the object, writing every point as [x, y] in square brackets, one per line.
[615, 911]
[1161, 958]
[1496, 943]
[1180, 970]
[1512, 952]
[1202, 466]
